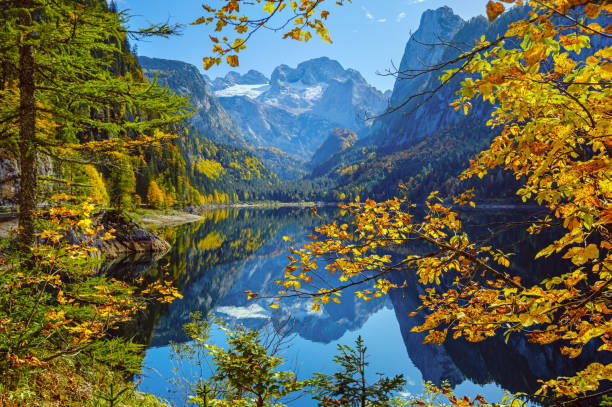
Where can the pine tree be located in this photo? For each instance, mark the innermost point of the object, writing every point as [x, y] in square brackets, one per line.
[61, 98]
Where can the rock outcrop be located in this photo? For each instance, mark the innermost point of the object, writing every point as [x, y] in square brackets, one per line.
[129, 237]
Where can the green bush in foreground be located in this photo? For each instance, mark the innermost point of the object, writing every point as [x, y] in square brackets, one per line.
[247, 372]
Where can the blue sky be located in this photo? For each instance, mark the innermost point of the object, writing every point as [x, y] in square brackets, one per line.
[368, 35]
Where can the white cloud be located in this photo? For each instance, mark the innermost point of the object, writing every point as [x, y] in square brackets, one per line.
[368, 15]
[400, 17]
[371, 17]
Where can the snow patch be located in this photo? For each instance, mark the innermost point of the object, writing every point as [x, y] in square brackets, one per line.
[253, 311]
[250, 91]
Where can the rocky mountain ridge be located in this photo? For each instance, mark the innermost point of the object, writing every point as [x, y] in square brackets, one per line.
[427, 114]
[210, 118]
[297, 108]
[282, 119]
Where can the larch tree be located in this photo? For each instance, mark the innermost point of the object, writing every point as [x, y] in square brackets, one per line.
[552, 105]
[60, 96]
[155, 196]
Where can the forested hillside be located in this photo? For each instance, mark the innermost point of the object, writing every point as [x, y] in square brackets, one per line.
[195, 171]
[432, 163]
[186, 169]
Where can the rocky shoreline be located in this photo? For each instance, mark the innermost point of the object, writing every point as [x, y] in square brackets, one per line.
[128, 236]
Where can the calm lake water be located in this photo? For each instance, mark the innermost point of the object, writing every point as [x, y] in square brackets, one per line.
[215, 260]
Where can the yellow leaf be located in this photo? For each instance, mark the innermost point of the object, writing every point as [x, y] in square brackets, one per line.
[591, 252]
[269, 7]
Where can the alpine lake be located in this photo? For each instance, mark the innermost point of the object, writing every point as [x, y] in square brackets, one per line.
[215, 260]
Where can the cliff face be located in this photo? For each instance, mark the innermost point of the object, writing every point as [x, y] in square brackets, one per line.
[436, 26]
[210, 118]
[421, 116]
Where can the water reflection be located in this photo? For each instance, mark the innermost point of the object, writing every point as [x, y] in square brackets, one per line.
[230, 251]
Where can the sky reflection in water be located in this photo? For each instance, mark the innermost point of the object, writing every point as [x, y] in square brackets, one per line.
[220, 257]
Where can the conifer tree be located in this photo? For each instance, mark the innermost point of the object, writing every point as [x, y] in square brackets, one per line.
[61, 98]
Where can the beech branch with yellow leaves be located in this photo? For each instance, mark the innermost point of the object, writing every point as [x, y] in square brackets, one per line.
[551, 103]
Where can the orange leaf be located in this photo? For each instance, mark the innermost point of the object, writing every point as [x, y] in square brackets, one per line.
[494, 9]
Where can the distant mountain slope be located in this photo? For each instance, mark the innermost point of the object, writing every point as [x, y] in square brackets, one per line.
[196, 171]
[426, 144]
[210, 161]
[286, 166]
[429, 164]
[297, 108]
[210, 118]
[338, 141]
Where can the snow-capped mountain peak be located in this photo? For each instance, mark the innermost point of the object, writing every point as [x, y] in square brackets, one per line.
[298, 107]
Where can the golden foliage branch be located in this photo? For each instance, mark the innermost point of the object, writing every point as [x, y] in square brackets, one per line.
[298, 22]
[552, 105]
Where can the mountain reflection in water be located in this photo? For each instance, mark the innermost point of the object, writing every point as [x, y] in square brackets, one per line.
[230, 251]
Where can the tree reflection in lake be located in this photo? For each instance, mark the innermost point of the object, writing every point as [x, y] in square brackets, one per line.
[230, 251]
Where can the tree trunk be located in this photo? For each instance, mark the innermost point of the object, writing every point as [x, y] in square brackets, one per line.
[27, 131]
[363, 382]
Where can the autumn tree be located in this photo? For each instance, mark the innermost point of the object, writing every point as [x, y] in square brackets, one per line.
[57, 312]
[122, 183]
[549, 79]
[61, 99]
[155, 196]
